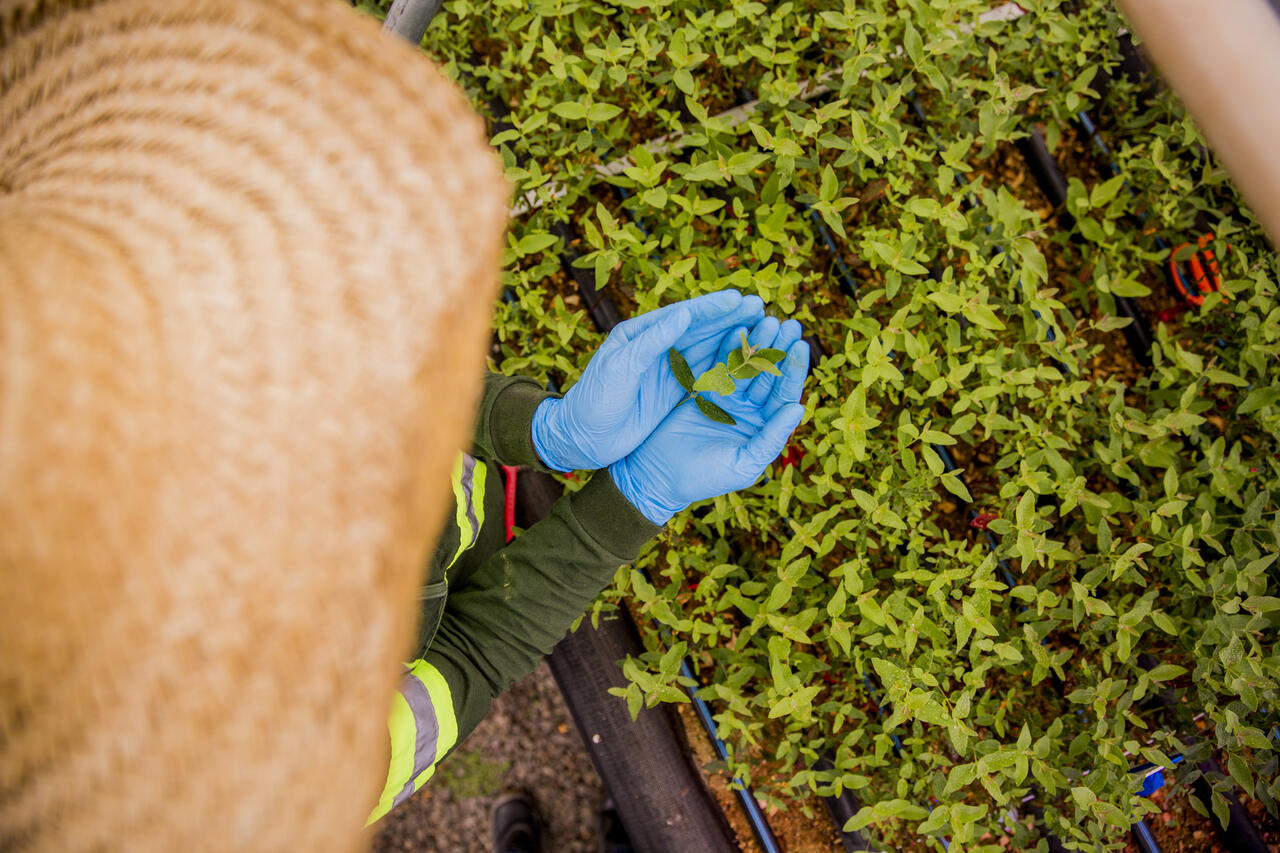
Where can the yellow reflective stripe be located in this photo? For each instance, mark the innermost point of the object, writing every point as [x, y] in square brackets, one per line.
[468, 481]
[446, 720]
[403, 731]
[478, 480]
[423, 728]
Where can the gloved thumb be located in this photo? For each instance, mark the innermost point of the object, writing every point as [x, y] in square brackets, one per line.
[766, 445]
[654, 341]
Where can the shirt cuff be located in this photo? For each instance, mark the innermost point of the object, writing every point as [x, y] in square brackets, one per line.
[610, 519]
[511, 423]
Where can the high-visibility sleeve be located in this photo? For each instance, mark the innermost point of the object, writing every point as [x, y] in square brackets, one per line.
[522, 600]
[423, 728]
[506, 606]
[468, 494]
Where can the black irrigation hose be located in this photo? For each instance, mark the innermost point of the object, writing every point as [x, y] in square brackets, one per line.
[600, 305]
[1144, 838]
[1053, 183]
[841, 809]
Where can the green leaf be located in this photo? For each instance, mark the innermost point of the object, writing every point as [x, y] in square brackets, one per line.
[680, 367]
[683, 80]
[1165, 672]
[983, 316]
[953, 484]
[830, 186]
[535, 242]
[1129, 287]
[1103, 193]
[602, 112]
[772, 355]
[1240, 773]
[714, 412]
[763, 365]
[717, 379]
[571, 110]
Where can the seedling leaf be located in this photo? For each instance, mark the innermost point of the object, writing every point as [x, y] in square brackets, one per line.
[763, 365]
[714, 412]
[716, 379]
[680, 367]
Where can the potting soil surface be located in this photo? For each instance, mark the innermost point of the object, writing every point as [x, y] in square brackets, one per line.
[527, 742]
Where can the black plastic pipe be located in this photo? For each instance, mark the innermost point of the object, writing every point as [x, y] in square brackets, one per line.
[603, 310]
[1053, 183]
[841, 809]
[1146, 841]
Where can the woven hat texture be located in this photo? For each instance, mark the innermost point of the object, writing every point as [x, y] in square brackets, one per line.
[247, 256]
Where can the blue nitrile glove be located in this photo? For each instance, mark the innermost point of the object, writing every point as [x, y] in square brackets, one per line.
[628, 387]
[690, 458]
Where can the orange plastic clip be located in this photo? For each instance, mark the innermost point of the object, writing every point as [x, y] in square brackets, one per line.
[1204, 272]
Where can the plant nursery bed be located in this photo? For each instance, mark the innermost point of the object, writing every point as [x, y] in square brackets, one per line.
[1131, 507]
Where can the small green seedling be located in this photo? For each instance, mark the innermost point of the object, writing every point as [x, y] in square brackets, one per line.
[744, 363]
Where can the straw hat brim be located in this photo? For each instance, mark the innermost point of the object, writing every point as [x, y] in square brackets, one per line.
[248, 250]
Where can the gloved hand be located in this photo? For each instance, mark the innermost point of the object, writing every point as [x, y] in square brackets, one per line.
[628, 387]
[690, 458]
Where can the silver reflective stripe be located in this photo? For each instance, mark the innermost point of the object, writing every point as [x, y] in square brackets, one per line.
[424, 715]
[468, 486]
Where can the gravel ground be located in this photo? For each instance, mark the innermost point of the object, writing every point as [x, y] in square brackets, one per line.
[528, 742]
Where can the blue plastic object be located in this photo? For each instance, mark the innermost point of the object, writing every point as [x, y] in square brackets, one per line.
[1153, 782]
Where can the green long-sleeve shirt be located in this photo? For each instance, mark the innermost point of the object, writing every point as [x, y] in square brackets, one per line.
[494, 610]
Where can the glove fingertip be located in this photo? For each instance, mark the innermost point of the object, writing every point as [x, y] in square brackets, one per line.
[798, 355]
[766, 445]
[722, 301]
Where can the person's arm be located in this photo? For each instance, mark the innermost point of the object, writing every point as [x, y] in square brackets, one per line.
[503, 425]
[510, 614]
[521, 601]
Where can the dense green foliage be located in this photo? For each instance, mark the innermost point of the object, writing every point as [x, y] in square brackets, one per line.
[1134, 510]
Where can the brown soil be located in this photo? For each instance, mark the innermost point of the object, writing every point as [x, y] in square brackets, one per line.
[717, 782]
[1006, 168]
[1180, 828]
[1078, 157]
[1268, 825]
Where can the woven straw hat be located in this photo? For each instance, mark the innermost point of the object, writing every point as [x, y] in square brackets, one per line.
[247, 255]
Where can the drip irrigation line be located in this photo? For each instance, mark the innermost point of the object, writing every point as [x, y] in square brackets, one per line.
[1053, 183]
[1240, 831]
[759, 824]
[842, 808]
[1146, 840]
